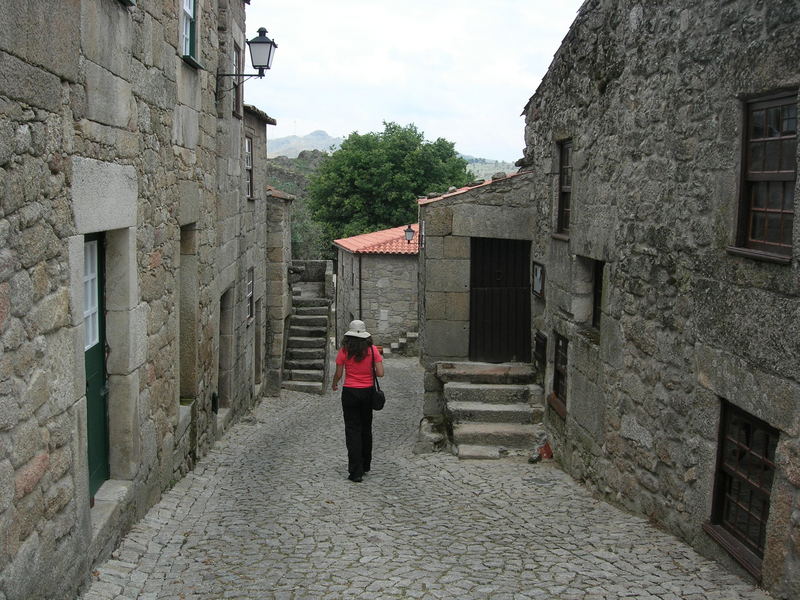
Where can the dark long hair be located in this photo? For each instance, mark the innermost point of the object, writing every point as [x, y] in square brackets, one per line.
[356, 347]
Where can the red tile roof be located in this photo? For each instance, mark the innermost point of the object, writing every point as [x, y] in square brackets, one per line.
[465, 189]
[276, 193]
[388, 241]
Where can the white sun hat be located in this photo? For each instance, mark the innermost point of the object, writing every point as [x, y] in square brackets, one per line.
[357, 329]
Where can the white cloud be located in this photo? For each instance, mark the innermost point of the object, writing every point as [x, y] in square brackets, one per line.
[456, 71]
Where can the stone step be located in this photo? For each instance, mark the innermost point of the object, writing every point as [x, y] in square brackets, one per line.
[489, 412]
[310, 302]
[311, 364]
[303, 331]
[311, 387]
[503, 393]
[311, 310]
[306, 342]
[309, 321]
[304, 374]
[508, 435]
[476, 372]
[305, 353]
[476, 452]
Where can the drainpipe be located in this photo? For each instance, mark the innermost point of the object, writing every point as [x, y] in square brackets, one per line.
[360, 316]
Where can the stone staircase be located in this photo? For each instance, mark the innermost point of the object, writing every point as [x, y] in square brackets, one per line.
[404, 346]
[494, 410]
[304, 365]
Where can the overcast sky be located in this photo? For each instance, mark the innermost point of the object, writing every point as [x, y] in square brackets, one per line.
[458, 69]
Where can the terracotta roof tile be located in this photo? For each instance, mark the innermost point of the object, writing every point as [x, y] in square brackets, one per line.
[388, 241]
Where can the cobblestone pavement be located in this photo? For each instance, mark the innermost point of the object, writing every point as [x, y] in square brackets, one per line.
[269, 513]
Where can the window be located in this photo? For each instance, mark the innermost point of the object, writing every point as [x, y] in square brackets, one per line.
[597, 292]
[538, 280]
[91, 312]
[248, 165]
[558, 399]
[237, 81]
[564, 186]
[745, 470]
[188, 29]
[770, 175]
[249, 293]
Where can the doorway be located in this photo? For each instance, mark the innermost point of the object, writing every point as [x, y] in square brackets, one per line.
[94, 360]
[500, 300]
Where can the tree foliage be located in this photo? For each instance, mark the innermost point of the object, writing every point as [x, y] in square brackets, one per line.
[373, 180]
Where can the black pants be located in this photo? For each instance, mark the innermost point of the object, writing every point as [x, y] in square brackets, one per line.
[357, 409]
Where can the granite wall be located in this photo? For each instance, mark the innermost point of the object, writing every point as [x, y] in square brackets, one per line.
[653, 99]
[379, 289]
[106, 129]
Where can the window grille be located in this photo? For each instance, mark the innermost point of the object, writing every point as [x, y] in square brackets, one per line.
[770, 175]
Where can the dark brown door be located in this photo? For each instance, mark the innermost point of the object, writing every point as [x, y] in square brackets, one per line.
[500, 301]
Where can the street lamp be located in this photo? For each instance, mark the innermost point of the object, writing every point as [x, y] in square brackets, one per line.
[409, 233]
[262, 51]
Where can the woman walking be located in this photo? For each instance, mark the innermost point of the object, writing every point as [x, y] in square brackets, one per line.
[355, 359]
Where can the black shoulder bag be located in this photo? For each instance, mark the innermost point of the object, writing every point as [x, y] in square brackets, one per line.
[378, 397]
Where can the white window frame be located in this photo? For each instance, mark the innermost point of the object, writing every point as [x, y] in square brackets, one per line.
[188, 28]
[91, 312]
[249, 293]
[248, 165]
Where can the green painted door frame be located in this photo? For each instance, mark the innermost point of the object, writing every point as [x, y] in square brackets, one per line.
[94, 357]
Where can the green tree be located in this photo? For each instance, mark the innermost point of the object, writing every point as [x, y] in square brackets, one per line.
[373, 180]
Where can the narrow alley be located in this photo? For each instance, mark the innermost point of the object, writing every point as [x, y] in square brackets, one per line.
[269, 513]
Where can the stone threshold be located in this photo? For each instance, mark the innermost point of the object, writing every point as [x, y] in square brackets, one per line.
[111, 501]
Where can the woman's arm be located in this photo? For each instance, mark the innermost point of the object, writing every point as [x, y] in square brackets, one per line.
[337, 376]
[379, 369]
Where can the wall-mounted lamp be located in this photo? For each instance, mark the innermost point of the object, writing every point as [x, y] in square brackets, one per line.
[262, 51]
[409, 233]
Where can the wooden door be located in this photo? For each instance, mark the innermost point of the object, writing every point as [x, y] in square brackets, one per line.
[500, 300]
[94, 357]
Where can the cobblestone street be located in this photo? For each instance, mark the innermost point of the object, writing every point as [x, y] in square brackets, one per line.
[269, 513]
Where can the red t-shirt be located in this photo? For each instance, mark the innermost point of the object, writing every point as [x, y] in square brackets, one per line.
[358, 374]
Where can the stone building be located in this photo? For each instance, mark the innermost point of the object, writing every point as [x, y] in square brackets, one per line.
[376, 282]
[134, 273]
[661, 175]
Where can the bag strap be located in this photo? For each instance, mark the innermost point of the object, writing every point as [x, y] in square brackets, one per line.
[374, 373]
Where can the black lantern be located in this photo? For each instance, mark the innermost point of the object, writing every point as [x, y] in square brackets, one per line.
[409, 233]
[262, 50]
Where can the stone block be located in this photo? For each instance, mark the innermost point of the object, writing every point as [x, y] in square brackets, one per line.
[447, 275]
[611, 342]
[109, 98]
[457, 306]
[448, 339]
[27, 477]
[104, 195]
[471, 220]
[7, 485]
[436, 306]
[27, 83]
[126, 333]
[122, 281]
[106, 36]
[27, 441]
[457, 247]
[185, 127]
[51, 313]
[432, 404]
[438, 221]
[123, 425]
[434, 247]
[587, 405]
